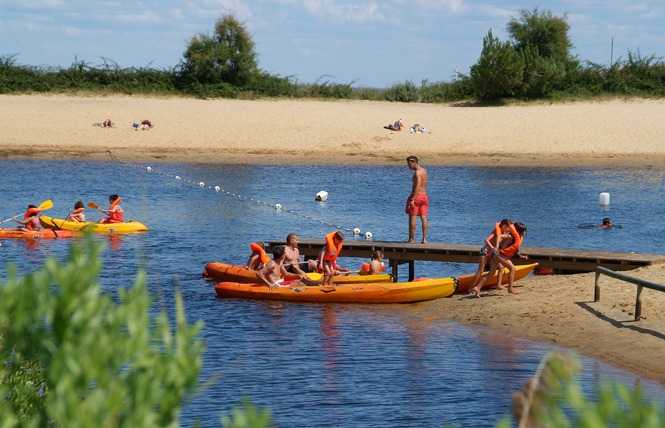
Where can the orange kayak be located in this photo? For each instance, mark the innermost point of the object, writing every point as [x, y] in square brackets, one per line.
[521, 271]
[396, 292]
[38, 234]
[235, 273]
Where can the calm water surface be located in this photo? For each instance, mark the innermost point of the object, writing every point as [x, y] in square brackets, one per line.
[339, 365]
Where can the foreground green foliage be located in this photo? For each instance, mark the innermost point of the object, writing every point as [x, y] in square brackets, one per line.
[553, 397]
[72, 357]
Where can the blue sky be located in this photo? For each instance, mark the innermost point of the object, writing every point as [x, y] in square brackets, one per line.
[371, 43]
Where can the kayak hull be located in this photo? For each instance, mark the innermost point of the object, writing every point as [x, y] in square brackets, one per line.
[395, 292]
[521, 271]
[38, 234]
[125, 227]
[236, 273]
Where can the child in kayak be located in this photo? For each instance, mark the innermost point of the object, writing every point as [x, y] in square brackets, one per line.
[115, 213]
[78, 215]
[30, 220]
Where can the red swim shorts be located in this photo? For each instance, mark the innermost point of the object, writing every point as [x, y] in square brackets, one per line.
[420, 206]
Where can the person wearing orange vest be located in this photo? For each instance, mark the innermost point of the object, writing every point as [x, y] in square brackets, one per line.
[502, 258]
[259, 258]
[115, 213]
[30, 220]
[375, 265]
[328, 258]
[78, 215]
[492, 243]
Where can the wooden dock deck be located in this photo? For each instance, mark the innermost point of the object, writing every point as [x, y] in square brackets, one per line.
[561, 260]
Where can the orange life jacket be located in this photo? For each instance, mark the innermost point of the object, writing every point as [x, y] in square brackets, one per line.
[517, 242]
[265, 258]
[364, 267]
[332, 249]
[75, 218]
[118, 216]
[31, 225]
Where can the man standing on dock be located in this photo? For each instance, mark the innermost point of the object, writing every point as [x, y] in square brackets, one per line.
[417, 203]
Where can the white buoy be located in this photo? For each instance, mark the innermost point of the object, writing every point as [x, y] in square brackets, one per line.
[177, 177]
[149, 169]
[278, 207]
[322, 196]
[356, 231]
[217, 189]
[368, 235]
[604, 199]
[202, 184]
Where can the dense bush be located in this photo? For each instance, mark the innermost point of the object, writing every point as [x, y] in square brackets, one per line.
[72, 357]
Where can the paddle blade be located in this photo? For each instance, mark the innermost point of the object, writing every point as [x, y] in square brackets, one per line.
[93, 205]
[46, 205]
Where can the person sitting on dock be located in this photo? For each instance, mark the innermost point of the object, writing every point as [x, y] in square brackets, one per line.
[328, 258]
[271, 273]
[502, 258]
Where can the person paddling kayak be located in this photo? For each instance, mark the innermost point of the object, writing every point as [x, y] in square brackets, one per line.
[115, 213]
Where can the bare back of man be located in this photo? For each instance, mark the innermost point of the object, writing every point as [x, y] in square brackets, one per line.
[271, 273]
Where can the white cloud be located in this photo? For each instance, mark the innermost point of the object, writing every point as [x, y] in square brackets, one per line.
[356, 13]
[146, 16]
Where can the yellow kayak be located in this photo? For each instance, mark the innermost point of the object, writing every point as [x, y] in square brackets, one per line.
[418, 290]
[125, 227]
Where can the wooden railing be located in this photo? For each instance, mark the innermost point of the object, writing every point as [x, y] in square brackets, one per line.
[639, 282]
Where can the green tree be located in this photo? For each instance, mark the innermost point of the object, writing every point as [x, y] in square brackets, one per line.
[543, 40]
[499, 70]
[547, 33]
[226, 57]
[74, 358]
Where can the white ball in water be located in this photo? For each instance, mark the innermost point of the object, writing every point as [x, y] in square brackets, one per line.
[217, 189]
[149, 169]
[356, 231]
[368, 235]
[177, 177]
[278, 207]
[202, 184]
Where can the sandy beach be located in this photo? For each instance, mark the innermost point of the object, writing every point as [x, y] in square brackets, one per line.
[557, 309]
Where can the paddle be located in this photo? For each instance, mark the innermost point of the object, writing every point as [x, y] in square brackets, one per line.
[46, 205]
[94, 206]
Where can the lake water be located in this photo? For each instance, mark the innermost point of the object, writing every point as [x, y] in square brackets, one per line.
[338, 365]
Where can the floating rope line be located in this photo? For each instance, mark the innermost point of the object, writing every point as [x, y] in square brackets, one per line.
[278, 207]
